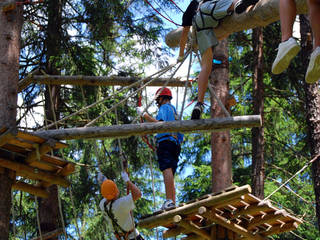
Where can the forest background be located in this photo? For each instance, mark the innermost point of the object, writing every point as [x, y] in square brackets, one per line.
[124, 38]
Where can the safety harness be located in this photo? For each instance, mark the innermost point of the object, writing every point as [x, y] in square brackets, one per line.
[119, 232]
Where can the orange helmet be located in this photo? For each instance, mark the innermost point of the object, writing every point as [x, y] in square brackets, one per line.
[109, 189]
[164, 92]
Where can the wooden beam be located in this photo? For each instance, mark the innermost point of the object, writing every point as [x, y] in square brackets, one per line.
[162, 218]
[254, 209]
[65, 171]
[192, 237]
[174, 232]
[37, 191]
[189, 225]
[43, 149]
[7, 135]
[213, 216]
[127, 130]
[33, 173]
[49, 235]
[264, 13]
[281, 228]
[96, 81]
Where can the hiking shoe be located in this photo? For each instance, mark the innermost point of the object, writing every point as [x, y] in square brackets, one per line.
[286, 51]
[242, 5]
[313, 71]
[168, 204]
[197, 111]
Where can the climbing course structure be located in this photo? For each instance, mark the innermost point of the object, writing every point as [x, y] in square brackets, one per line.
[230, 214]
[29, 157]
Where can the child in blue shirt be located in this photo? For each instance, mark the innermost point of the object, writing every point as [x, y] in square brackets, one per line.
[168, 144]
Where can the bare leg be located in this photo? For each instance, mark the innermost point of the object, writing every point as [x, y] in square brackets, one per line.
[183, 40]
[169, 184]
[314, 13]
[288, 14]
[206, 67]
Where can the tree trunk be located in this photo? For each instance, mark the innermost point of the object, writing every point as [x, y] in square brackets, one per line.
[313, 111]
[258, 108]
[220, 141]
[49, 207]
[10, 26]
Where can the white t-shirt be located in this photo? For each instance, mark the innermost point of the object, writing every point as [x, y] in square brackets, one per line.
[121, 209]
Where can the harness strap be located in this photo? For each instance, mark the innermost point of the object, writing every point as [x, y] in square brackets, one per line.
[119, 232]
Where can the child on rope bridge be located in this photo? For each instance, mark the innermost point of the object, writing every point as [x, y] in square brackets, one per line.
[205, 19]
[289, 48]
[117, 210]
[168, 144]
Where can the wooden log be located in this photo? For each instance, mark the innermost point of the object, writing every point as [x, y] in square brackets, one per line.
[23, 83]
[50, 235]
[127, 130]
[281, 228]
[33, 173]
[264, 13]
[37, 191]
[162, 218]
[232, 226]
[96, 81]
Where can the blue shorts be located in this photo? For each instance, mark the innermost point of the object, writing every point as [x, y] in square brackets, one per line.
[168, 155]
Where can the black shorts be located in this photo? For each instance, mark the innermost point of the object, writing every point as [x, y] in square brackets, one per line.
[189, 13]
[168, 155]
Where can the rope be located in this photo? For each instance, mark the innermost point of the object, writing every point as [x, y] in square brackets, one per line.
[61, 215]
[125, 99]
[105, 99]
[301, 170]
[161, 14]
[165, 84]
[176, 5]
[186, 85]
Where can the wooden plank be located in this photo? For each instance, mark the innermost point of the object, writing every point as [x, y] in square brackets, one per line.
[46, 166]
[189, 225]
[37, 139]
[127, 130]
[254, 209]
[33, 173]
[7, 135]
[174, 232]
[212, 201]
[232, 226]
[54, 160]
[49, 235]
[37, 191]
[65, 171]
[103, 81]
[21, 143]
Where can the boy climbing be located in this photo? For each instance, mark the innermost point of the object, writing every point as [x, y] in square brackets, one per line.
[209, 14]
[168, 144]
[289, 48]
[117, 210]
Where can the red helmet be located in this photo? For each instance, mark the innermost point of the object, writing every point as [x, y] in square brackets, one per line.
[164, 92]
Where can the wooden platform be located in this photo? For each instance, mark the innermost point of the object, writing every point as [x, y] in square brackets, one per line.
[27, 156]
[235, 209]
